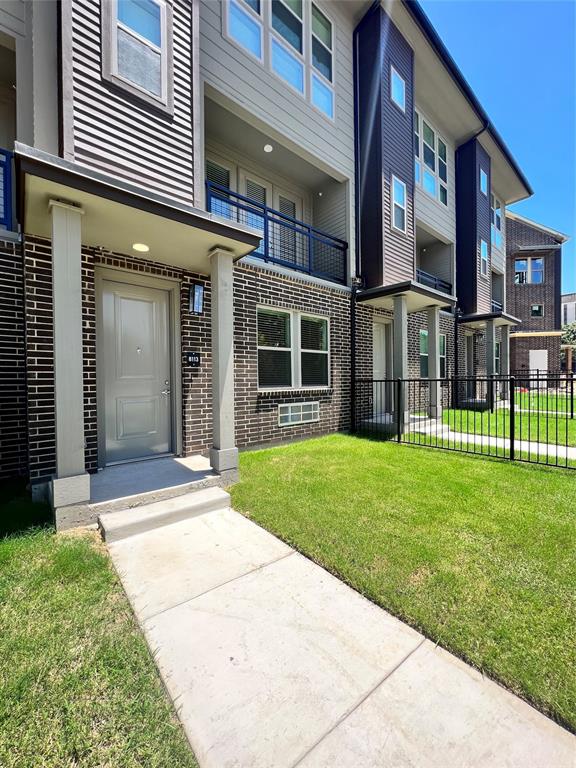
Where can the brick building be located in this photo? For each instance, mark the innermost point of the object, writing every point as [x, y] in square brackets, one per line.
[533, 289]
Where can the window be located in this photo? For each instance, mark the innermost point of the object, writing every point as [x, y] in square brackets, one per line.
[293, 350]
[497, 352]
[397, 89]
[529, 270]
[244, 26]
[424, 355]
[483, 258]
[565, 313]
[430, 160]
[536, 310]
[322, 75]
[137, 48]
[300, 44]
[483, 182]
[398, 204]
[496, 221]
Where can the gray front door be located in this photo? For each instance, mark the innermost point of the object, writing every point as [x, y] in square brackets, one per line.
[136, 356]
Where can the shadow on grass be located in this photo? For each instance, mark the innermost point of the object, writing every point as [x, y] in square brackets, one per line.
[17, 510]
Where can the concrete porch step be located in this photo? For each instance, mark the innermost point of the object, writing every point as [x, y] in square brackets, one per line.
[128, 522]
[429, 427]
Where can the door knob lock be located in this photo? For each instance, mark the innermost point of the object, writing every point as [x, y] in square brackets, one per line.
[165, 392]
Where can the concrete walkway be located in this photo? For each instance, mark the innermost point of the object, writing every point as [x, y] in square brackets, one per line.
[273, 662]
[536, 451]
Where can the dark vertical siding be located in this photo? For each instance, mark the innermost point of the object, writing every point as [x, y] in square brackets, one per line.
[368, 98]
[384, 148]
[117, 133]
[472, 225]
[484, 285]
[397, 153]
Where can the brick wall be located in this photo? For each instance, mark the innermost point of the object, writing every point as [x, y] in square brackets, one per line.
[257, 412]
[13, 427]
[520, 351]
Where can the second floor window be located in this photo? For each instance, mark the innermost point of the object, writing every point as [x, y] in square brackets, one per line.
[537, 310]
[137, 47]
[483, 258]
[496, 221]
[294, 38]
[398, 204]
[430, 160]
[529, 270]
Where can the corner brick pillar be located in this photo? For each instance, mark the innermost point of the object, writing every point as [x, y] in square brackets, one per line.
[71, 484]
[224, 454]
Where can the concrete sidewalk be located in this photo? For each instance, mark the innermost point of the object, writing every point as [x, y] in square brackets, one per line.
[273, 662]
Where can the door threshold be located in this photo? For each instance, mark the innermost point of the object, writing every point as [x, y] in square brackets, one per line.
[141, 458]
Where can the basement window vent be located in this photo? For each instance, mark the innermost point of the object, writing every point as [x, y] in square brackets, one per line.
[291, 414]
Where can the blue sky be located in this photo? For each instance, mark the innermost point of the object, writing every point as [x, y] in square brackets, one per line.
[519, 57]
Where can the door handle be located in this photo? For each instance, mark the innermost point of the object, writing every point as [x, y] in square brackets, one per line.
[165, 392]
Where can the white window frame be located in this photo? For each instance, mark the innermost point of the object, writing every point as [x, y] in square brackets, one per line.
[394, 71]
[529, 260]
[497, 357]
[484, 260]
[484, 175]
[421, 165]
[393, 203]
[538, 317]
[295, 350]
[496, 221]
[110, 25]
[442, 357]
[286, 411]
[268, 33]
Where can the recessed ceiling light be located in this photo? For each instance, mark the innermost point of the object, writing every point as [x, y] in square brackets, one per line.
[140, 247]
[268, 147]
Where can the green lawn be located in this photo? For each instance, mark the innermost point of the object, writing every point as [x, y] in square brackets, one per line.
[478, 554]
[542, 400]
[79, 687]
[528, 426]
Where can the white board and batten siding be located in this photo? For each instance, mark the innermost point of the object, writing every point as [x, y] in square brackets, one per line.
[116, 133]
[244, 81]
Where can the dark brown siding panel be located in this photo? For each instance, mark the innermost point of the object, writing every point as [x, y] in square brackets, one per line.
[483, 293]
[397, 153]
[119, 134]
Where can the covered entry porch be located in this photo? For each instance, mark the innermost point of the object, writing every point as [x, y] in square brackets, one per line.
[102, 229]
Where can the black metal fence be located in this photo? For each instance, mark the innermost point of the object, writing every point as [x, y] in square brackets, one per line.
[528, 418]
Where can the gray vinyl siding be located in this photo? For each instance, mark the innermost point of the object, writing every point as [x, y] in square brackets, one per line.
[119, 134]
[13, 17]
[249, 84]
[330, 210]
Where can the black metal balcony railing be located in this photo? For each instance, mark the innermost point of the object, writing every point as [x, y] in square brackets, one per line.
[425, 278]
[5, 189]
[497, 306]
[285, 241]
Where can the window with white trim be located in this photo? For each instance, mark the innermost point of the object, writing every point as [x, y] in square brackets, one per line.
[483, 258]
[483, 182]
[424, 354]
[293, 350]
[290, 414]
[496, 221]
[294, 39]
[137, 48]
[529, 270]
[397, 88]
[398, 204]
[537, 310]
[430, 160]
[497, 357]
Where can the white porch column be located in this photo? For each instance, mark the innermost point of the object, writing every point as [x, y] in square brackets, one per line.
[71, 484]
[400, 356]
[505, 357]
[224, 454]
[434, 361]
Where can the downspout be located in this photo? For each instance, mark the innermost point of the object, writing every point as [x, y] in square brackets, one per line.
[353, 356]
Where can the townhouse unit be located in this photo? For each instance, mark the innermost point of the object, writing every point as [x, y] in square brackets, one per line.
[533, 289]
[218, 215]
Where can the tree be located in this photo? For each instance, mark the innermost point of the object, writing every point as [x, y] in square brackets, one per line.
[569, 334]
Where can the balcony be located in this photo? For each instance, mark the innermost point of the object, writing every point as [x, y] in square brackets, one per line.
[425, 278]
[285, 241]
[6, 191]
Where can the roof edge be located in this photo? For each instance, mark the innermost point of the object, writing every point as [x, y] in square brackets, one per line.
[525, 220]
[435, 40]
